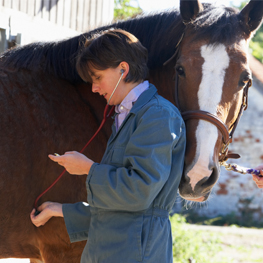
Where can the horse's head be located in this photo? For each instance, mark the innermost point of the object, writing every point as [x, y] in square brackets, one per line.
[212, 78]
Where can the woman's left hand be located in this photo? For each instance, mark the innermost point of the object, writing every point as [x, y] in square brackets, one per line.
[74, 162]
[47, 210]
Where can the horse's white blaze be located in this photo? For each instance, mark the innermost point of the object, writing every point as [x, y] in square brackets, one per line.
[216, 61]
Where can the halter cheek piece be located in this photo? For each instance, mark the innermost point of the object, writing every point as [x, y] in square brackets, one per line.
[207, 116]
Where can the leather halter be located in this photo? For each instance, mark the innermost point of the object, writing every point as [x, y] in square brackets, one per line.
[207, 116]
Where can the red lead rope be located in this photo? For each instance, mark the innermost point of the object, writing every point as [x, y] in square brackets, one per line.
[105, 117]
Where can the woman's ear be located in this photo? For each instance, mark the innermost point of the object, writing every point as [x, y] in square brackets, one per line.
[124, 68]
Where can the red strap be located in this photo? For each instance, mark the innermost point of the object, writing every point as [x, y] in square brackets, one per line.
[105, 117]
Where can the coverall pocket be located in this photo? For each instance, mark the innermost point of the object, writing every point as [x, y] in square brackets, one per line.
[145, 235]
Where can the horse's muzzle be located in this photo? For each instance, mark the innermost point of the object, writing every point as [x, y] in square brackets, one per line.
[201, 190]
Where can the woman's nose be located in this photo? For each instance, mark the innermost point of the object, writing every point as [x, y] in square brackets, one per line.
[95, 88]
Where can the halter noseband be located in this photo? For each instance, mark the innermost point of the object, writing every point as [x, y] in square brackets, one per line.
[207, 116]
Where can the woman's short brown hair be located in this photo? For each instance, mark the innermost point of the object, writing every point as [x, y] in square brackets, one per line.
[108, 49]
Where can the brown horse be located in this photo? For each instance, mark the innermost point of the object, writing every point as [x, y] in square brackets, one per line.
[46, 108]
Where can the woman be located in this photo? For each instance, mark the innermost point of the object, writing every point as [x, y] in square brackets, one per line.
[133, 188]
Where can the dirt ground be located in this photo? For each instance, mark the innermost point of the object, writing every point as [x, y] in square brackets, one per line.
[239, 245]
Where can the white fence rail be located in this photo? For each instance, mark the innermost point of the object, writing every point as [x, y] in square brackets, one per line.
[79, 15]
[26, 21]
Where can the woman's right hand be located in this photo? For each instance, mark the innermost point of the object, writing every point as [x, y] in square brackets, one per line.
[47, 210]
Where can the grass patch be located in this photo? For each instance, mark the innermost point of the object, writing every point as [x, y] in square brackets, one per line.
[194, 245]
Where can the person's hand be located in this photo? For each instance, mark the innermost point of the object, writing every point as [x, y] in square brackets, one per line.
[74, 162]
[259, 180]
[47, 210]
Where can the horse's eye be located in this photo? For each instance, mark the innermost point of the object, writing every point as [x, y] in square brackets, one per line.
[244, 81]
[180, 71]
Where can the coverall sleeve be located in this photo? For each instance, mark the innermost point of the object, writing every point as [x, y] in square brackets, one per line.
[77, 219]
[146, 164]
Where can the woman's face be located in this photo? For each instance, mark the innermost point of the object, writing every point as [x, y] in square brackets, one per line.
[104, 82]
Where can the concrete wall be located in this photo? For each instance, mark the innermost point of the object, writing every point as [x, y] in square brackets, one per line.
[236, 192]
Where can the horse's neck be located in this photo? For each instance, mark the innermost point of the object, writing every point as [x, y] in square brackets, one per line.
[163, 79]
[96, 104]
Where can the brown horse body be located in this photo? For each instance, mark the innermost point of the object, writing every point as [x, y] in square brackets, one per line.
[45, 108]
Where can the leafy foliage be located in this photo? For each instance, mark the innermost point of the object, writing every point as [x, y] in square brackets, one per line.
[256, 44]
[123, 9]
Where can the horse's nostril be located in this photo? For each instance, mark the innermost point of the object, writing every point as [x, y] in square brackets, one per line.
[208, 182]
[213, 177]
[201, 190]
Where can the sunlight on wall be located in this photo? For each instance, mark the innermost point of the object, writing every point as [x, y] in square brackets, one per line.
[14, 260]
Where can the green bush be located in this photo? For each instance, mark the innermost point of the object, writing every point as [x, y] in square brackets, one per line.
[123, 9]
[256, 44]
[257, 50]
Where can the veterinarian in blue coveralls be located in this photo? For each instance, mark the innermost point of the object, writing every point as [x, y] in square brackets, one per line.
[133, 188]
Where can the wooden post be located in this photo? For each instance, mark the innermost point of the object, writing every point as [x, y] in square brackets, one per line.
[31, 7]
[15, 5]
[8, 3]
[60, 12]
[53, 11]
[45, 10]
[73, 18]
[23, 6]
[80, 15]
[2, 40]
[67, 6]
[38, 8]
[86, 16]
[99, 13]
[92, 19]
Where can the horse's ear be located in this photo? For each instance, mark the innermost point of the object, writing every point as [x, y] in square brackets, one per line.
[190, 9]
[252, 15]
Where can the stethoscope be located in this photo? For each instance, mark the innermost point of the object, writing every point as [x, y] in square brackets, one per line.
[106, 115]
[122, 72]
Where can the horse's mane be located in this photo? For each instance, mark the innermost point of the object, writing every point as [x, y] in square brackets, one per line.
[58, 58]
[52, 57]
[217, 24]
